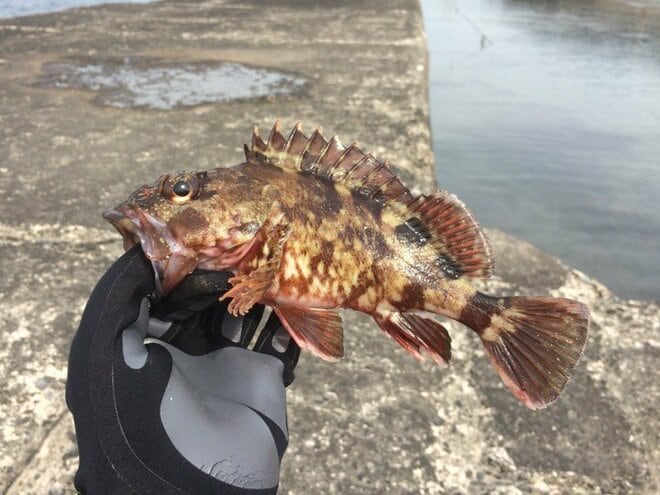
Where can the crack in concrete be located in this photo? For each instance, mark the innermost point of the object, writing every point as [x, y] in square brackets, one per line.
[35, 454]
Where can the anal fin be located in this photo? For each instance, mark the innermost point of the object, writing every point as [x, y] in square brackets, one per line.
[414, 333]
[319, 330]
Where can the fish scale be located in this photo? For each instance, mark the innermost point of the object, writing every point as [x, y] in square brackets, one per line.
[309, 226]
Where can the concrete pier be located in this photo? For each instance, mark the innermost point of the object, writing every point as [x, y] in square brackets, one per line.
[377, 421]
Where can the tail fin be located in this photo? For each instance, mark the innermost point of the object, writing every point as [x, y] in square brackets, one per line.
[533, 342]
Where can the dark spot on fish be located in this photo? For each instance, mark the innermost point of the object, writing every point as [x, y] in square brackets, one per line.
[319, 193]
[327, 249]
[412, 297]
[187, 222]
[205, 194]
[413, 231]
[477, 313]
[145, 197]
[333, 203]
[259, 158]
[376, 240]
[348, 234]
[448, 266]
[361, 286]
[307, 163]
[364, 204]
[325, 254]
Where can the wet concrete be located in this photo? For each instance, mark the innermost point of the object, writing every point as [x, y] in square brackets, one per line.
[376, 422]
[152, 83]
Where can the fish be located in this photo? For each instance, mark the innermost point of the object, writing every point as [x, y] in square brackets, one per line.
[309, 226]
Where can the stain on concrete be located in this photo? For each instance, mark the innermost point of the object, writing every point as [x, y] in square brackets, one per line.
[154, 83]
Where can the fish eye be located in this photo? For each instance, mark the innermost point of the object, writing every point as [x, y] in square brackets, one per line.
[180, 189]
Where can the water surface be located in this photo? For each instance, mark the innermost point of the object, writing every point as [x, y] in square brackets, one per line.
[16, 8]
[546, 122]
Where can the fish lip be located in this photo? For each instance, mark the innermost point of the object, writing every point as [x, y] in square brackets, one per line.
[123, 219]
[138, 228]
[170, 260]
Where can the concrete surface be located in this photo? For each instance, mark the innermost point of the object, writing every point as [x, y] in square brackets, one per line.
[376, 422]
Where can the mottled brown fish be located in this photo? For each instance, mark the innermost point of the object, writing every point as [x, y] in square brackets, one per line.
[309, 226]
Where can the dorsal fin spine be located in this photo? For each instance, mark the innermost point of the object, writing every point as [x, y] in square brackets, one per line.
[398, 198]
[316, 132]
[375, 170]
[296, 128]
[358, 164]
[257, 143]
[333, 172]
[273, 131]
[387, 183]
[323, 152]
[359, 171]
[346, 151]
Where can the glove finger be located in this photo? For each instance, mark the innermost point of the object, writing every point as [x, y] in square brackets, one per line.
[226, 330]
[275, 341]
[200, 333]
[214, 328]
[133, 348]
[250, 324]
[189, 308]
[196, 292]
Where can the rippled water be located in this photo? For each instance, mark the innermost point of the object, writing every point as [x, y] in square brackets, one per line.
[152, 83]
[15, 8]
[546, 122]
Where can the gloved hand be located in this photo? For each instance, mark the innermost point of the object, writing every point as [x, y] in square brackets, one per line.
[198, 414]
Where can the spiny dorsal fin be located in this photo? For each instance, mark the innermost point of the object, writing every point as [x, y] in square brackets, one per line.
[440, 219]
[329, 159]
[444, 221]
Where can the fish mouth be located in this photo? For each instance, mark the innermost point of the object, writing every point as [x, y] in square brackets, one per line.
[135, 226]
[171, 261]
[120, 218]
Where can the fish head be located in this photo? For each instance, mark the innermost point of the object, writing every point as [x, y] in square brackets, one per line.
[183, 221]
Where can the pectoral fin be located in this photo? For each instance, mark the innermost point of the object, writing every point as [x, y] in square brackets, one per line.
[260, 264]
[247, 290]
[318, 330]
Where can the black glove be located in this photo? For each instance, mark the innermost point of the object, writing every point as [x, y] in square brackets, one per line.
[200, 414]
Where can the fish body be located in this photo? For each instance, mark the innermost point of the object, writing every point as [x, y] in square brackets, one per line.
[309, 226]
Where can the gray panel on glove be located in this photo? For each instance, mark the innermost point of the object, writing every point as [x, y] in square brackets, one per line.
[135, 354]
[205, 419]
